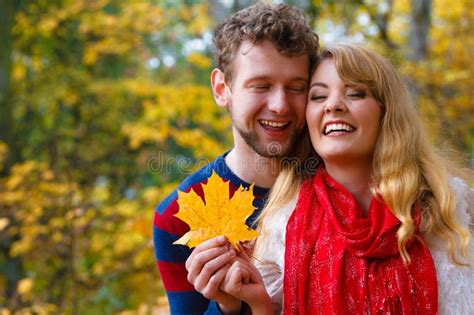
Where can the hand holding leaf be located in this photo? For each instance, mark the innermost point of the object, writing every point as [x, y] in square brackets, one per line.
[219, 215]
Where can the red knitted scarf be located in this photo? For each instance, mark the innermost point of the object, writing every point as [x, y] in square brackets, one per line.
[339, 262]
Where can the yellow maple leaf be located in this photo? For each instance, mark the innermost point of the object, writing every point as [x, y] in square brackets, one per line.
[219, 215]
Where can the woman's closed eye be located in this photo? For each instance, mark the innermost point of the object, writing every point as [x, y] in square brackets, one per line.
[318, 97]
[356, 93]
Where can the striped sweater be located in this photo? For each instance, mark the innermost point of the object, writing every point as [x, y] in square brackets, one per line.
[182, 297]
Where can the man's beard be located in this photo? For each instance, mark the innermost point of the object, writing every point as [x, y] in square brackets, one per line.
[272, 149]
[269, 150]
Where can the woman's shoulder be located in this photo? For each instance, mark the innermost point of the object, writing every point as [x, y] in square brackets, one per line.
[456, 283]
[463, 212]
[464, 201]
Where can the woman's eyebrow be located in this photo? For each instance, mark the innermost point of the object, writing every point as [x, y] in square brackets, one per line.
[319, 84]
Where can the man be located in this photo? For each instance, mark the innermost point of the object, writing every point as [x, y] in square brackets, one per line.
[264, 54]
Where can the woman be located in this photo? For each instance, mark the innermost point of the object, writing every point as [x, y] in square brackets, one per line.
[379, 227]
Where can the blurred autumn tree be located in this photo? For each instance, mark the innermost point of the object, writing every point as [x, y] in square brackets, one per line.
[83, 86]
[105, 105]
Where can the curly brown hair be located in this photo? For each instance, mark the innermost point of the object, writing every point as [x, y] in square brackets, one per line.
[285, 26]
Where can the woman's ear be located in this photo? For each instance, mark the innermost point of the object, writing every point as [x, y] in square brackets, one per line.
[219, 88]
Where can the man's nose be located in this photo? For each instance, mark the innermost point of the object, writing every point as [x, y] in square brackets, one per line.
[278, 102]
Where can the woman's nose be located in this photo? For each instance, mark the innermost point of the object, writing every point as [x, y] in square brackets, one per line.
[335, 104]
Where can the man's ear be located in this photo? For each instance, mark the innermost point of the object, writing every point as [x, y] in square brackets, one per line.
[219, 88]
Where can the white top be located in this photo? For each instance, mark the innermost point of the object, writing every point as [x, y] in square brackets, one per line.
[455, 284]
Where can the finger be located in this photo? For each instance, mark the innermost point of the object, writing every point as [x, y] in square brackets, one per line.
[254, 274]
[216, 280]
[239, 276]
[246, 277]
[201, 279]
[210, 290]
[204, 246]
[196, 266]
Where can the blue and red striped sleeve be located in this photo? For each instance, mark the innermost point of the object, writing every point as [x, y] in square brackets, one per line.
[182, 297]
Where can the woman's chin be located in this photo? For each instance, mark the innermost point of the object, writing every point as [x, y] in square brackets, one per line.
[345, 157]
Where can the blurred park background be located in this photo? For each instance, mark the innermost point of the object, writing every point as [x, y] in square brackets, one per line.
[105, 106]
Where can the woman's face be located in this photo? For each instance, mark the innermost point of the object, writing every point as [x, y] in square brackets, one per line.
[343, 120]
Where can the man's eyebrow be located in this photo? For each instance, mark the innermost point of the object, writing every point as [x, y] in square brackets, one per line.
[264, 77]
[258, 78]
[319, 84]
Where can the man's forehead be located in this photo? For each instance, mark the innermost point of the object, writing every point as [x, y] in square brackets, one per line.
[263, 59]
[247, 47]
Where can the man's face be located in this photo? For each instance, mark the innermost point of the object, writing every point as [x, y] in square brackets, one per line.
[267, 98]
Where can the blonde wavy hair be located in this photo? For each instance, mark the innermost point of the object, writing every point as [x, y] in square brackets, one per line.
[406, 169]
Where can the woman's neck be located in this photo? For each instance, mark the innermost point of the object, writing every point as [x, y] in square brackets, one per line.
[355, 178]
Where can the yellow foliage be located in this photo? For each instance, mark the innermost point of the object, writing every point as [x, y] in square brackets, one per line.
[140, 88]
[141, 225]
[57, 237]
[200, 20]
[126, 208]
[185, 114]
[90, 56]
[19, 172]
[18, 72]
[126, 242]
[199, 141]
[79, 74]
[141, 258]
[151, 195]
[25, 286]
[47, 25]
[36, 63]
[3, 153]
[57, 222]
[98, 243]
[219, 215]
[116, 34]
[98, 269]
[4, 223]
[199, 60]
[101, 193]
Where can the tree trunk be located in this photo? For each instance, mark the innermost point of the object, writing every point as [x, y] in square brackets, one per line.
[419, 29]
[6, 109]
[12, 266]
[217, 10]
[418, 37]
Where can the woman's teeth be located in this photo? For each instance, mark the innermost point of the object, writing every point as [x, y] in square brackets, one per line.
[337, 128]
